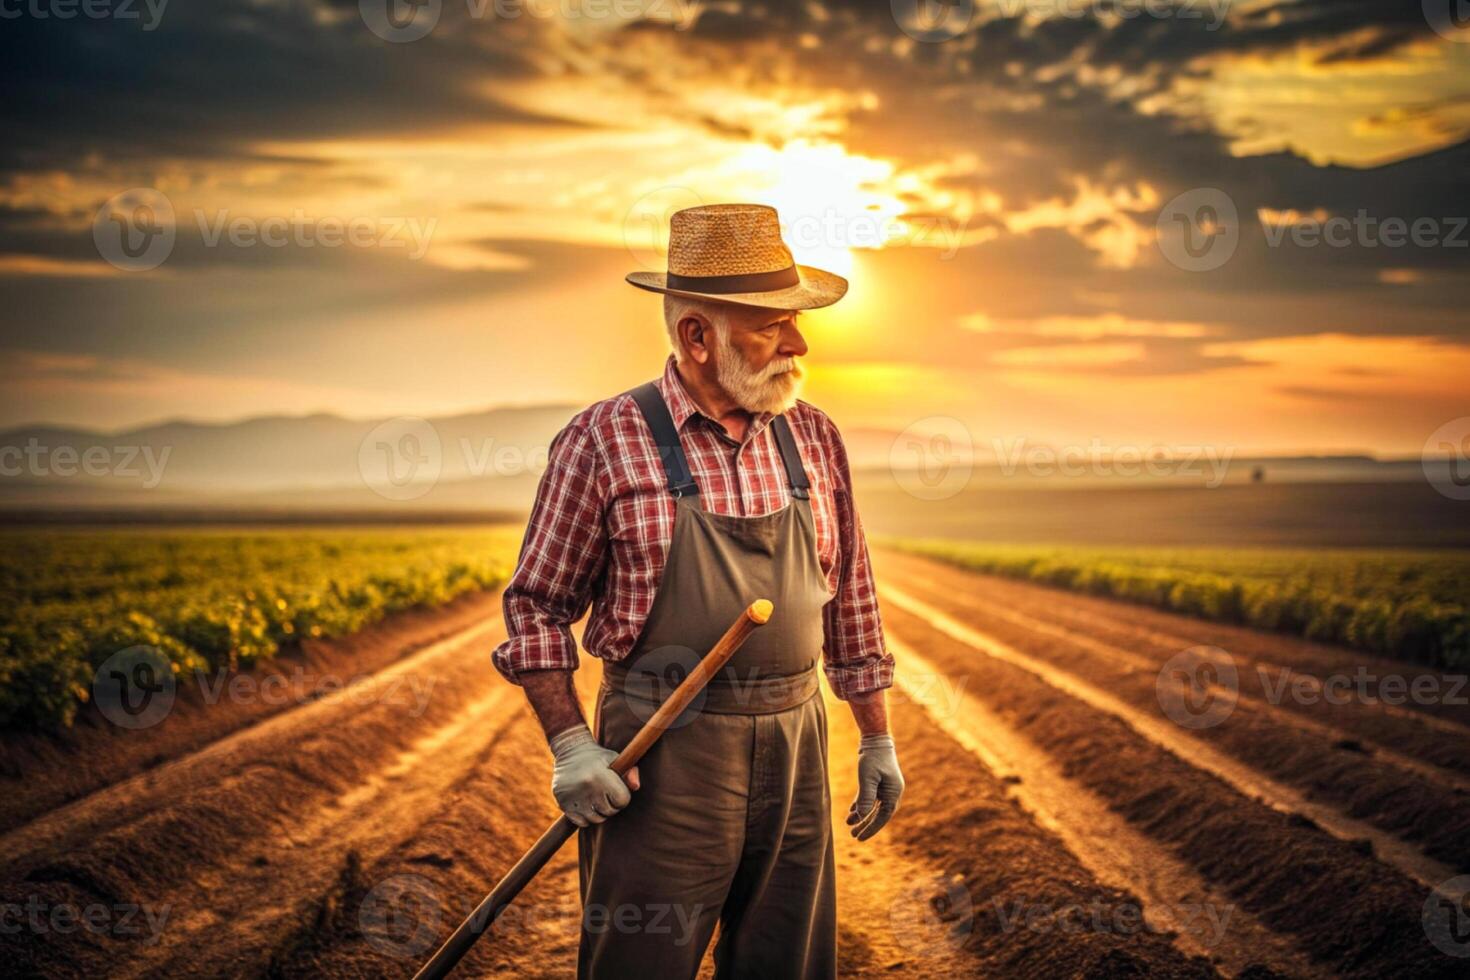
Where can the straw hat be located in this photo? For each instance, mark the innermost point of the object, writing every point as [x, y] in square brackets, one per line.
[733, 253]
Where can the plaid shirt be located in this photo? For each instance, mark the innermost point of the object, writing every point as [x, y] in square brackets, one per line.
[603, 520]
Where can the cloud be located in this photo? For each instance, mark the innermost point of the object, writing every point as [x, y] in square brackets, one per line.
[1051, 144]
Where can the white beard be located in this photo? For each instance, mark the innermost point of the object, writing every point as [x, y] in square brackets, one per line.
[773, 388]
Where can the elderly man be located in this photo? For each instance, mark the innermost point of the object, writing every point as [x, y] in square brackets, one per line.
[668, 509]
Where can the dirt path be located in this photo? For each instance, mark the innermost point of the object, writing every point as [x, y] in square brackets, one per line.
[1053, 826]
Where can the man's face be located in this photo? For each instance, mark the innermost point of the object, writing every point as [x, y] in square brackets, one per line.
[756, 358]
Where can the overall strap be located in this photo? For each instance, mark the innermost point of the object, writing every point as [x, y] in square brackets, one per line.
[666, 437]
[795, 473]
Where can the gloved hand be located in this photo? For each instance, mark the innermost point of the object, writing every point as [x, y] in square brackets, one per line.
[585, 787]
[880, 784]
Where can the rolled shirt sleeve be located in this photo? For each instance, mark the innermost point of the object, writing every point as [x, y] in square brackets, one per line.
[561, 559]
[856, 659]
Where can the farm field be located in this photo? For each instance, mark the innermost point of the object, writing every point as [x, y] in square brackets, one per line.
[210, 599]
[1133, 514]
[1399, 603]
[1066, 813]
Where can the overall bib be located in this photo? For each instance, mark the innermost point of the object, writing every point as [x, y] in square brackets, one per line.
[732, 823]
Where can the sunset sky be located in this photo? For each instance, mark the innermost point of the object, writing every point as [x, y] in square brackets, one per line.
[995, 198]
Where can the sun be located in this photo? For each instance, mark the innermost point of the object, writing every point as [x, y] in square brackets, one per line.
[831, 201]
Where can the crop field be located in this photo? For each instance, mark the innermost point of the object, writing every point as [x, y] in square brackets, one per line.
[1123, 778]
[210, 599]
[1407, 604]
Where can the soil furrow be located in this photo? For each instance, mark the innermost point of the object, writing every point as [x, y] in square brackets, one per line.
[1408, 859]
[1413, 804]
[1175, 897]
[1129, 661]
[1271, 660]
[1352, 914]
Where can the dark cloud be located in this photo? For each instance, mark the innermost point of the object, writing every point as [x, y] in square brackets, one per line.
[213, 81]
[208, 81]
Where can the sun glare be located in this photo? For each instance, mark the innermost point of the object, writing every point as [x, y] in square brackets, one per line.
[831, 201]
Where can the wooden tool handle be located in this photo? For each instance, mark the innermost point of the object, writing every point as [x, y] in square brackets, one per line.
[485, 914]
[755, 615]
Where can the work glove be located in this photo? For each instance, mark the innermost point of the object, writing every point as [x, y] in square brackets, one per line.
[880, 784]
[585, 787]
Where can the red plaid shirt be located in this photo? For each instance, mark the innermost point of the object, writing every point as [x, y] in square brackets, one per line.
[603, 519]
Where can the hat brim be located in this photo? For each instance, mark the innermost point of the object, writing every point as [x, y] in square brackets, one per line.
[816, 289]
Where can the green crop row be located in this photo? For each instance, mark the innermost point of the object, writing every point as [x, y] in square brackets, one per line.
[209, 599]
[1405, 604]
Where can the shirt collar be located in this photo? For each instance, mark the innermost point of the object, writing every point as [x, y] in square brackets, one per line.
[682, 407]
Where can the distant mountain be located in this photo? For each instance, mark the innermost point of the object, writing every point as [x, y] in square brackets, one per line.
[490, 461]
[284, 460]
